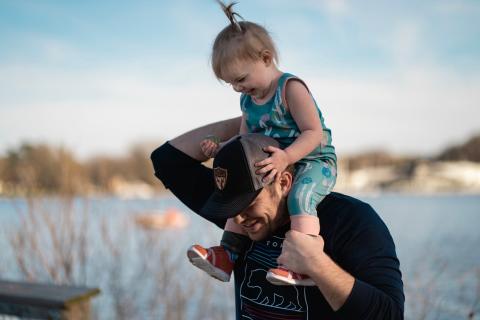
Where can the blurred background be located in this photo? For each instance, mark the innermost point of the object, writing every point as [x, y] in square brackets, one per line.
[88, 89]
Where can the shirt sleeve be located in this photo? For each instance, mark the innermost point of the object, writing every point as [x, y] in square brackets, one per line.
[189, 180]
[368, 254]
[368, 302]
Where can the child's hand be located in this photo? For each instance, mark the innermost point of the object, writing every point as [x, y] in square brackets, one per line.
[274, 164]
[209, 147]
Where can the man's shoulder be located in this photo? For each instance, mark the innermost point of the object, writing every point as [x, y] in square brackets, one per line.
[344, 207]
[339, 201]
[350, 225]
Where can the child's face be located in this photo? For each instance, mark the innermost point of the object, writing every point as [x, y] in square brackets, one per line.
[250, 77]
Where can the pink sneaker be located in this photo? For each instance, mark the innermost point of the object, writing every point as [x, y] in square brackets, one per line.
[214, 261]
[283, 277]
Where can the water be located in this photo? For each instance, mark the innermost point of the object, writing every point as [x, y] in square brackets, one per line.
[142, 274]
[437, 240]
[435, 222]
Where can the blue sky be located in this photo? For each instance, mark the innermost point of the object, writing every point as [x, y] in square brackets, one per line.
[97, 76]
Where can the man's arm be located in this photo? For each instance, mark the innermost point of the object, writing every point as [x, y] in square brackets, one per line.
[368, 284]
[304, 254]
[189, 143]
[177, 164]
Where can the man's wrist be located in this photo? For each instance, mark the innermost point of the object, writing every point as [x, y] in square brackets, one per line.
[318, 264]
[334, 283]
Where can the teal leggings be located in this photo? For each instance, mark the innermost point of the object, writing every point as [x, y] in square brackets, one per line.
[314, 179]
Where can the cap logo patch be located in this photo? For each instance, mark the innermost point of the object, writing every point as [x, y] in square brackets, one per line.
[220, 175]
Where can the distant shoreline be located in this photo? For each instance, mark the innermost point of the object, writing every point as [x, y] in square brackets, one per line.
[422, 177]
[168, 194]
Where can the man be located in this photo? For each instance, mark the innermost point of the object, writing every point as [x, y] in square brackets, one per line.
[352, 262]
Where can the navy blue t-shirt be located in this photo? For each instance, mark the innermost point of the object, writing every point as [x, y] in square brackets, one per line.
[355, 238]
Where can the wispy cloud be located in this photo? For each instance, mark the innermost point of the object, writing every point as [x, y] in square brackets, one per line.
[331, 7]
[412, 111]
[385, 74]
[470, 7]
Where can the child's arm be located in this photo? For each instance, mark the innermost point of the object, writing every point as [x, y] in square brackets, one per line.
[304, 112]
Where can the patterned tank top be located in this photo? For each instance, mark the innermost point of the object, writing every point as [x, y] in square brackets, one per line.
[274, 120]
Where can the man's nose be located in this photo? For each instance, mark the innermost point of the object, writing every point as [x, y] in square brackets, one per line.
[239, 218]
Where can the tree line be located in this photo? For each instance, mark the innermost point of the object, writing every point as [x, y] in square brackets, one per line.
[33, 169]
[467, 151]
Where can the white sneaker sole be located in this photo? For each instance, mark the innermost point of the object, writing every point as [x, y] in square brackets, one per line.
[282, 281]
[201, 262]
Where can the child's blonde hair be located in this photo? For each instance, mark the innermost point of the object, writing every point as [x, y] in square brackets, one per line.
[241, 40]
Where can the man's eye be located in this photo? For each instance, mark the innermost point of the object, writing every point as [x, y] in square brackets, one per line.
[241, 79]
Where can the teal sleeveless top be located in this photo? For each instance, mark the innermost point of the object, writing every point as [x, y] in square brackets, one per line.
[274, 120]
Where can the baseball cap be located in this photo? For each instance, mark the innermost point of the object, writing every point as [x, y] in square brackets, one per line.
[235, 180]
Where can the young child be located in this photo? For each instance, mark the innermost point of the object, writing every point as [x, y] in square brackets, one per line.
[279, 105]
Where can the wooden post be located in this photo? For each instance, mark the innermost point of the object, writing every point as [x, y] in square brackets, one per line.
[45, 301]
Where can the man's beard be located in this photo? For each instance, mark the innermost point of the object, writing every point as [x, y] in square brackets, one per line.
[281, 218]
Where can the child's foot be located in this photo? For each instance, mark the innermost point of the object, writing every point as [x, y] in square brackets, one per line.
[215, 261]
[283, 277]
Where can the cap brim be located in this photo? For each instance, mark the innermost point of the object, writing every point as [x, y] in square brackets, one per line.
[219, 206]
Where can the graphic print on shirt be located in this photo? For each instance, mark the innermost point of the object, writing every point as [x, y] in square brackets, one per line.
[278, 111]
[259, 298]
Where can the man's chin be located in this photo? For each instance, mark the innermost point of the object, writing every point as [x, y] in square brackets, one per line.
[256, 236]
[259, 235]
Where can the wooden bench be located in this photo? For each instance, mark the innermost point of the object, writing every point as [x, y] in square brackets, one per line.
[45, 301]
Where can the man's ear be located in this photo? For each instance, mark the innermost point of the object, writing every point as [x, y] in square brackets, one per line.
[286, 180]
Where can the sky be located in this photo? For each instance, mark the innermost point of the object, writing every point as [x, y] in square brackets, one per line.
[98, 76]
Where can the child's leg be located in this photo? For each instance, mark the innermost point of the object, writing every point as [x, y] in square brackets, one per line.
[313, 181]
[219, 261]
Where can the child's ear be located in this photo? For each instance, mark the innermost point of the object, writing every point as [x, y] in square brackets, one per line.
[267, 57]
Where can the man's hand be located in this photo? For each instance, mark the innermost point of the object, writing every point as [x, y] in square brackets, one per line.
[301, 253]
[210, 148]
[276, 163]
[211, 145]
[304, 254]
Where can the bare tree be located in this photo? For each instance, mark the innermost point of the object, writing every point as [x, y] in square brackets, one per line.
[142, 274]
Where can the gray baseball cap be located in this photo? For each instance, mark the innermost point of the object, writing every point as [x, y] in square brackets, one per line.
[235, 180]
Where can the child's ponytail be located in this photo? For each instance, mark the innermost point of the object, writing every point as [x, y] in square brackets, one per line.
[228, 10]
[240, 40]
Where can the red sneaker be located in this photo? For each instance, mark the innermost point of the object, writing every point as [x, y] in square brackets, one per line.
[214, 261]
[283, 277]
